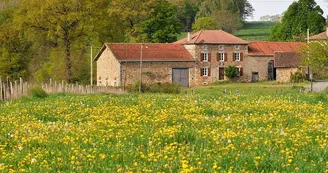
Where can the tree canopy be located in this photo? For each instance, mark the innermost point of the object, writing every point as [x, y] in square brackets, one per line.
[300, 16]
[42, 39]
[315, 55]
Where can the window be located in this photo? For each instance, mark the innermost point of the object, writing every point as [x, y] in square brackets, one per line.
[236, 56]
[237, 47]
[221, 47]
[240, 70]
[205, 47]
[204, 71]
[204, 57]
[221, 57]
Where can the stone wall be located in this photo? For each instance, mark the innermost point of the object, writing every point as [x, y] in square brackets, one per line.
[108, 69]
[153, 72]
[257, 64]
[284, 74]
[214, 64]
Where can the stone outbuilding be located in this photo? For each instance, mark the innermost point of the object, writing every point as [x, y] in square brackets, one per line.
[286, 64]
[260, 63]
[126, 64]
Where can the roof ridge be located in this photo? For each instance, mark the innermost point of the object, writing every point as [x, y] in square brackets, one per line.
[200, 32]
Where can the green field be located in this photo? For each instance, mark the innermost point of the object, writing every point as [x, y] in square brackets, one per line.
[264, 128]
[251, 31]
[256, 31]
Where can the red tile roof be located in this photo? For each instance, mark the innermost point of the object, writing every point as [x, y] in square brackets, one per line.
[211, 37]
[151, 52]
[286, 59]
[321, 36]
[268, 48]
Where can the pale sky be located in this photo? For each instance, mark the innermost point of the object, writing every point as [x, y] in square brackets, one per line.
[272, 7]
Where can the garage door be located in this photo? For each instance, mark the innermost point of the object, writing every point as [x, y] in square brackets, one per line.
[180, 76]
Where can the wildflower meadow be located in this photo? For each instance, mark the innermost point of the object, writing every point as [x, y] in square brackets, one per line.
[164, 133]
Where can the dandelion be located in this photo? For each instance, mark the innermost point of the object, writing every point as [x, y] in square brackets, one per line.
[33, 160]
[102, 156]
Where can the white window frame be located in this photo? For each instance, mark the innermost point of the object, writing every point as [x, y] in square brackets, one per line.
[204, 71]
[237, 47]
[221, 47]
[205, 47]
[235, 55]
[221, 58]
[204, 57]
[239, 67]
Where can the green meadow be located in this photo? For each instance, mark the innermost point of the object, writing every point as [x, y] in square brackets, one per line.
[264, 127]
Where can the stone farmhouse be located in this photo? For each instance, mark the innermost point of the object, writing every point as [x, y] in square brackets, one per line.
[321, 36]
[198, 59]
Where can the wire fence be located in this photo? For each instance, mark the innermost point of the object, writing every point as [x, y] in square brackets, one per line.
[18, 88]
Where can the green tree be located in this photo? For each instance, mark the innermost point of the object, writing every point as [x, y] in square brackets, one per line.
[315, 55]
[161, 25]
[226, 21]
[241, 8]
[186, 14]
[63, 23]
[129, 14]
[204, 23]
[15, 51]
[300, 16]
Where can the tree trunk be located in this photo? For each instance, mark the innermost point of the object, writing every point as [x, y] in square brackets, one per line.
[68, 63]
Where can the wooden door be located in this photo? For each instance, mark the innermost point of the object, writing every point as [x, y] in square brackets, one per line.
[180, 76]
[255, 76]
[221, 73]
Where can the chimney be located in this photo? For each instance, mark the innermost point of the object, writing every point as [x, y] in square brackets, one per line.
[189, 37]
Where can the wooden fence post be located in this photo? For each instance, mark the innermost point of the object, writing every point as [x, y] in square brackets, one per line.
[16, 89]
[21, 85]
[62, 86]
[8, 90]
[50, 85]
[11, 90]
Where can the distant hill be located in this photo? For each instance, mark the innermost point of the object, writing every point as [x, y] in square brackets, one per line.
[256, 31]
[251, 31]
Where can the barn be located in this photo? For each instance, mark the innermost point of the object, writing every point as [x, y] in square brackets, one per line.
[123, 64]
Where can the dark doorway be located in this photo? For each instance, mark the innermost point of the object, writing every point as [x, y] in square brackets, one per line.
[180, 76]
[255, 77]
[271, 71]
[221, 73]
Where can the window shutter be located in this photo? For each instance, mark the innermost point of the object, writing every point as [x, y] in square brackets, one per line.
[241, 56]
[209, 71]
[201, 71]
[201, 56]
[218, 57]
[241, 71]
[233, 57]
[225, 57]
[209, 57]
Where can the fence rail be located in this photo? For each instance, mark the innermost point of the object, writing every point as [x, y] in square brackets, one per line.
[16, 89]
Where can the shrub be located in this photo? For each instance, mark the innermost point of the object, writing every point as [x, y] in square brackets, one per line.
[231, 72]
[38, 92]
[297, 77]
